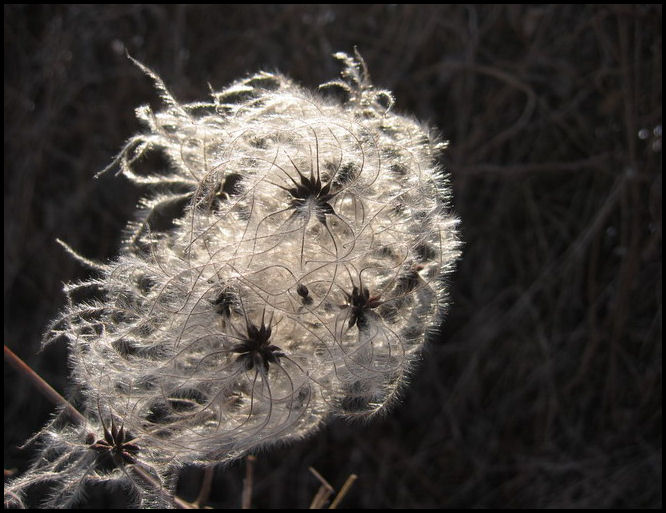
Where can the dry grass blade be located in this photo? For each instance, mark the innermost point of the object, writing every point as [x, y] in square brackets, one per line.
[343, 491]
[324, 492]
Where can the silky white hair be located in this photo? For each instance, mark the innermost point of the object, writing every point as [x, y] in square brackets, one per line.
[286, 266]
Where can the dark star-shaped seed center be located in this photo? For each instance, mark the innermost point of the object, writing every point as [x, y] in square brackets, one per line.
[118, 444]
[360, 303]
[256, 351]
[308, 191]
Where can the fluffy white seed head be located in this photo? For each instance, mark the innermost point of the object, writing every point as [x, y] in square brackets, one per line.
[286, 267]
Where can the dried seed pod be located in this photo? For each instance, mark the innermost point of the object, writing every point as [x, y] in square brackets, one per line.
[281, 186]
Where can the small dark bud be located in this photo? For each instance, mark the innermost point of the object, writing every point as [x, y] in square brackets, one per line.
[302, 290]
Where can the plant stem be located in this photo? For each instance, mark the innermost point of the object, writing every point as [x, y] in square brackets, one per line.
[46, 389]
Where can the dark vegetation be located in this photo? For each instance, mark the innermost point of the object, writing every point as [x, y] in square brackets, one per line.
[544, 388]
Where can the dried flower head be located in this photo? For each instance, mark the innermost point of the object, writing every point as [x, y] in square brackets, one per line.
[286, 267]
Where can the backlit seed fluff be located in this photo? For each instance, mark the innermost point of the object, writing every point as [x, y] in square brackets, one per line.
[285, 266]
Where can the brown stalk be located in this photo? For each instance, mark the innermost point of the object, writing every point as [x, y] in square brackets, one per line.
[246, 499]
[324, 492]
[343, 491]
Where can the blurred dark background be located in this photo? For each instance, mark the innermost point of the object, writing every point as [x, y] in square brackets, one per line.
[544, 389]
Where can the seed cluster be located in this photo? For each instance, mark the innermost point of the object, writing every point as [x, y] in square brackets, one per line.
[226, 323]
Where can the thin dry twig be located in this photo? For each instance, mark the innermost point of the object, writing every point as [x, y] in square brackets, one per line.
[204, 491]
[248, 482]
[343, 491]
[47, 390]
[324, 492]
